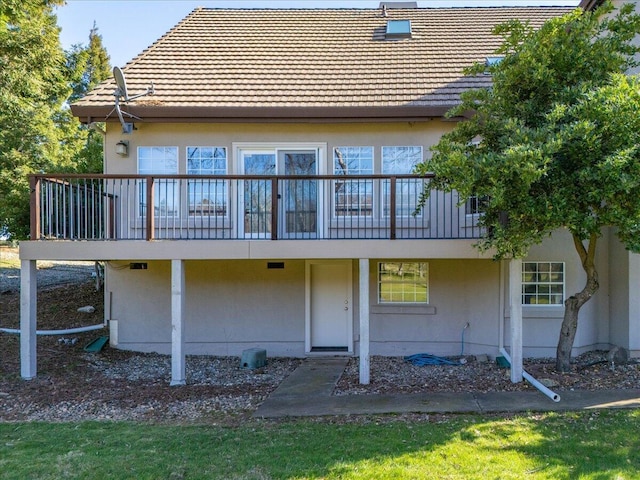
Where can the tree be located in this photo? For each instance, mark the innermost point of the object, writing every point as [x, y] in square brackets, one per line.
[29, 104]
[554, 144]
[37, 130]
[88, 66]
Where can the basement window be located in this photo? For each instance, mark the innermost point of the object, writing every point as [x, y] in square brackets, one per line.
[403, 282]
[542, 283]
[398, 29]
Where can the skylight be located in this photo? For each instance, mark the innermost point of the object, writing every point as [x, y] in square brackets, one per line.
[492, 61]
[398, 29]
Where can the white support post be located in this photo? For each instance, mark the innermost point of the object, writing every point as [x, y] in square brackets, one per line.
[515, 297]
[177, 323]
[634, 304]
[28, 316]
[365, 364]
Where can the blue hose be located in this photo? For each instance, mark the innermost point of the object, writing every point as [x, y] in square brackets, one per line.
[421, 359]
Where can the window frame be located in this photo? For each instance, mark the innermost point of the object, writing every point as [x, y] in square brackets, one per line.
[380, 282]
[537, 282]
[142, 187]
[367, 184]
[215, 183]
[416, 185]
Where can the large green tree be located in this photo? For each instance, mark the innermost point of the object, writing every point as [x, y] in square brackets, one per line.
[554, 144]
[37, 79]
[32, 89]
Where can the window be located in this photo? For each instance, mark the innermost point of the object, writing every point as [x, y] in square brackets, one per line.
[476, 205]
[403, 282]
[159, 160]
[207, 197]
[402, 160]
[542, 283]
[353, 197]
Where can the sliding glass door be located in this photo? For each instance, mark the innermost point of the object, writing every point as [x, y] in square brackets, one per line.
[297, 199]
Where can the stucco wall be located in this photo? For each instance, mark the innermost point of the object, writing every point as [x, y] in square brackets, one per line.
[541, 324]
[233, 304]
[182, 135]
[619, 310]
[460, 291]
[230, 306]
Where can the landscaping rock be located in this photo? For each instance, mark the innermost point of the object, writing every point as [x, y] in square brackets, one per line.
[618, 355]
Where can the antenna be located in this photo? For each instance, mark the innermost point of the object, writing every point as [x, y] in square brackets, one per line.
[121, 91]
[121, 83]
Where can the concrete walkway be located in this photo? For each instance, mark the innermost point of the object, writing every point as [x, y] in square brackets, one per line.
[307, 392]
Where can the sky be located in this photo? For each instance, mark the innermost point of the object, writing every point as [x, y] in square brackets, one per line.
[128, 27]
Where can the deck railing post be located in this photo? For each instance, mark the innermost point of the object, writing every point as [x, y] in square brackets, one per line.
[150, 225]
[274, 208]
[34, 201]
[392, 208]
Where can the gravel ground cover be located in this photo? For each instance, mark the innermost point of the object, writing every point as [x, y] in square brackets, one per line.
[113, 384]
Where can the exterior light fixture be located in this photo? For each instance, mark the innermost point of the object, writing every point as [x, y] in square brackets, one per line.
[122, 148]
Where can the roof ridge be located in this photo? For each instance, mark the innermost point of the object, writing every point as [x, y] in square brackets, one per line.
[373, 9]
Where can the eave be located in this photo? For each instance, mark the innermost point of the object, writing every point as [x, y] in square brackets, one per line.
[225, 114]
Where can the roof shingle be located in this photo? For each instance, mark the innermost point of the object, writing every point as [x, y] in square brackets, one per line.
[220, 63]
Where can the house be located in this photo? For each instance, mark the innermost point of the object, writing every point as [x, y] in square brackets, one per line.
[262, 196]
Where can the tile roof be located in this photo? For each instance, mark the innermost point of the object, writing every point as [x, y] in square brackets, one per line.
[309, 63]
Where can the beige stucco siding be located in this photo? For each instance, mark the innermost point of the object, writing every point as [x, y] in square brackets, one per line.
[620, 288]
[230, 306]
[541, 324]
[460, 291]
[183, 135]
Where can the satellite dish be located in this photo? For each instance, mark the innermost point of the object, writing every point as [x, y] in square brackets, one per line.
[122, 92]
[121, 83]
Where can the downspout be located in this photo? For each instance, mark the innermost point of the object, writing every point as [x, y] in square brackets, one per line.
[501, 310]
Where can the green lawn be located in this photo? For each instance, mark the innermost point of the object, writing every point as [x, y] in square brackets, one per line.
[585, 445]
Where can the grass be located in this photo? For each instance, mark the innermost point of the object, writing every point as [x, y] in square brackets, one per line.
[585, 445]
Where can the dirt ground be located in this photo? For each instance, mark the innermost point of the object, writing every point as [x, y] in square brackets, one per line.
[73, 384]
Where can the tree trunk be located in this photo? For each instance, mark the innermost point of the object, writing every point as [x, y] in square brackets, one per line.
[573, 304]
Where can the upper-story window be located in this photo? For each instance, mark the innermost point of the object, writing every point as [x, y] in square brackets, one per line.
[160, 160]
[207, 196]
[476, 205]
[401, 160]
[353, 197]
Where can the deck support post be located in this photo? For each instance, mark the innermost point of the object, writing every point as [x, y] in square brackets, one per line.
[365, 362]
[515, 297]
[28, 316]
[177, 323]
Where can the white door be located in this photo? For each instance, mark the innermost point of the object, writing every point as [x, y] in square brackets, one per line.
[330, 325]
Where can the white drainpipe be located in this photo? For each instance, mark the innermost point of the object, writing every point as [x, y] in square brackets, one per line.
[68, 331]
